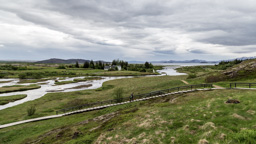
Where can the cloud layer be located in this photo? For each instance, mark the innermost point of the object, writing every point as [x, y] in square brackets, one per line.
[130, 30]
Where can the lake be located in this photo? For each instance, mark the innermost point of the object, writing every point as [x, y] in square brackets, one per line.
[169, 68]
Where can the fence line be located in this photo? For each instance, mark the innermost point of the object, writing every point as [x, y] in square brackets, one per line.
[153, 93]
[241, 84]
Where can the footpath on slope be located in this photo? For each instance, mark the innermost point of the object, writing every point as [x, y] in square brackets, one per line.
[185, 82]
[219, 87]
[215, 86]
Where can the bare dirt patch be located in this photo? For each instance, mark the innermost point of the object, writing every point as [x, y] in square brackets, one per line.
[146, 123]
[238, 116]
[208, 125]
[203, 141]
[252, 112]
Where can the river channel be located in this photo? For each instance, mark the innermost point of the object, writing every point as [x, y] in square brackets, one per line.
[49, 86]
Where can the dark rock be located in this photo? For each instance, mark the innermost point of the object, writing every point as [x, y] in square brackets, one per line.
[233, 101]
[76, 135]
[110, 129]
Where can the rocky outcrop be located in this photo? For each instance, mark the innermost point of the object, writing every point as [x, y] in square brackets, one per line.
[241, 69]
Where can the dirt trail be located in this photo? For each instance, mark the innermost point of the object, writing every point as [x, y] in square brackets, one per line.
[216, 86]
[185, 82]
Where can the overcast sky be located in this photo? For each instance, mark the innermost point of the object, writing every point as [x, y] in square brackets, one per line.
[127, 29]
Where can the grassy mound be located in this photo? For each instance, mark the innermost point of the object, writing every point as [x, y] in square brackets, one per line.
[6, 99]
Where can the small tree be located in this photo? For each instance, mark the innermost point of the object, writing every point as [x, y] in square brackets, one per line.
[86, 64]
[151, 65]
[92, 64]
[115, 62]
[147, 65]
[101, 65]
[96, 65]
[31, 110]
[118, 95]
[77, 64]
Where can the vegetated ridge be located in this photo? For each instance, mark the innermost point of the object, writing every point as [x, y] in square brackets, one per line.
[242, 70]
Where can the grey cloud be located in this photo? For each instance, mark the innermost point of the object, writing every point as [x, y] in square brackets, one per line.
[243, 50]
[153, 26]
[197, 51]
[165, 52]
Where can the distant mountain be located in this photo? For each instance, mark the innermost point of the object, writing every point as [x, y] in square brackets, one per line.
[16, 61]
[136, 62]
[186, 61]
[63, 61]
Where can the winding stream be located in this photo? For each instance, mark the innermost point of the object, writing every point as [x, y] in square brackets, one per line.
[49, 86]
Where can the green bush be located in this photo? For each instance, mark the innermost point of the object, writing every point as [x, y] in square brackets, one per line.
[118, 95]
[61, 67]
[215, 78]
[191, 76]
[2, 75]
[31, 110]
[22, 76]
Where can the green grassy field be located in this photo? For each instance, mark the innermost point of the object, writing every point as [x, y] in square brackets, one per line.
[6, 99]
[45, 72]
[190, 118]
[14, 88]
[48, 104]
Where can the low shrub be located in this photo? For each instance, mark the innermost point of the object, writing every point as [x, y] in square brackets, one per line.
[61, 67]
[2, 75]
[191, 76]
[118, 95]
[31, 110]
[215, 78]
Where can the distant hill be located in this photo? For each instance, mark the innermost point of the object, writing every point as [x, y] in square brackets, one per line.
[245, 69]
[63, 61]
[185, 61]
